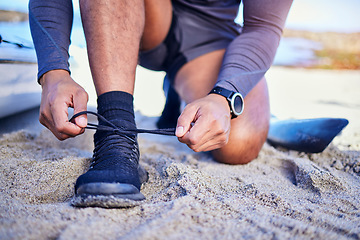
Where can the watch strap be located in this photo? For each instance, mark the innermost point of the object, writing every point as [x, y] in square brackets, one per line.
[222, 91]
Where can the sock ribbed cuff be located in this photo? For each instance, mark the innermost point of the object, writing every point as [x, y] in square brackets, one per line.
[116, 105]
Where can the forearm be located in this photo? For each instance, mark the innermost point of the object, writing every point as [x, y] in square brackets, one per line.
[251, 54]
[50, 24]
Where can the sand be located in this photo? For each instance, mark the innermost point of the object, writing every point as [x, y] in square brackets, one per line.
[280, 195]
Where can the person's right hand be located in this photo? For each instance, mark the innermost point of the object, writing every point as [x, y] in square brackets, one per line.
[59, 92]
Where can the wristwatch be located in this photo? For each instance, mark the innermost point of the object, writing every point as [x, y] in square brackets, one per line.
[235, 100]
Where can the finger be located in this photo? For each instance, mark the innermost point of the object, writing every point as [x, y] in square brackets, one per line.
[196, 143]
[185, 121]
[205, 135]
[80, 100]
[46, 119]
[61, 136]
[212, 144]
[217, 140]
[50, 125]
[201, 130]
[196, 134]
[61, 124]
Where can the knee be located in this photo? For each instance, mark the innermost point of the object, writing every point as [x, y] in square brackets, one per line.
[241, 150]
[242, 156]
[249, 131]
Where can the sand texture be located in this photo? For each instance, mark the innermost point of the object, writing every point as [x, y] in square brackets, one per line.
[280, 195]
[189, 196]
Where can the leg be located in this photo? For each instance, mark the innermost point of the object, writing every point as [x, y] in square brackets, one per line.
[113, 31]
[249, 130]
[158, 15]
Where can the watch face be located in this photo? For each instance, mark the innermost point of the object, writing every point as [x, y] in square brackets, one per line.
[237, 102]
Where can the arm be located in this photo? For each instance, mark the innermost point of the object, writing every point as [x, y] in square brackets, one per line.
[50, 24]
[250, 55]
[205, 124]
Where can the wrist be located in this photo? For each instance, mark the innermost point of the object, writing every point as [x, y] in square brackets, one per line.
[222, 101]
[53, 76]
[234, 99]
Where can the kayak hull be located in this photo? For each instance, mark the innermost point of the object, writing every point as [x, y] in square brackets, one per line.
[19, 89]
[305, 135]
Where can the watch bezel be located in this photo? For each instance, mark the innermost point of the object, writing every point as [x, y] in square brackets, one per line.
[232, 102]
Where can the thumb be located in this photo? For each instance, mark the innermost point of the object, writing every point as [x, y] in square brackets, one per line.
[80, 104]
[185, 121]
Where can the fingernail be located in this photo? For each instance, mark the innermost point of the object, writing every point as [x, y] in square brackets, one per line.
[179, 131]
[81, 121]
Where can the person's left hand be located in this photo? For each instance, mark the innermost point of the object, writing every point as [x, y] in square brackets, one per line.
[204, 125]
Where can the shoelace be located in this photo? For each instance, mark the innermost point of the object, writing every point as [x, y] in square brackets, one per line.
[111, 127]
[113, 142]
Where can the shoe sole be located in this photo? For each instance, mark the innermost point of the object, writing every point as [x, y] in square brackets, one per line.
[107, 195]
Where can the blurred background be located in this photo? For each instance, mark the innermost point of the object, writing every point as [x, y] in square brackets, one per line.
[321, 34]
[330, 29]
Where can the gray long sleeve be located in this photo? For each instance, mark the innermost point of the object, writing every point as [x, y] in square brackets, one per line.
[50, 24]
[251, 54]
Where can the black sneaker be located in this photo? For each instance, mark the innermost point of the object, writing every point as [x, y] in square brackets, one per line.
[115, 177]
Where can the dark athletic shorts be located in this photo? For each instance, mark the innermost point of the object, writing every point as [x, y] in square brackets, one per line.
[192, 34]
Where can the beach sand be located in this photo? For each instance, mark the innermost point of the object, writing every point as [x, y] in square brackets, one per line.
[280, 195]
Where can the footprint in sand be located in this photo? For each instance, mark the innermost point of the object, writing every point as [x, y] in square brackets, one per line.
[305, 174]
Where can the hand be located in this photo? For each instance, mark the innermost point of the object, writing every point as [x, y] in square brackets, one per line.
[59, 92]
[204, 125]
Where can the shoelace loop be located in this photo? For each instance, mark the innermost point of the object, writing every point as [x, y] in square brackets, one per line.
[111, 127]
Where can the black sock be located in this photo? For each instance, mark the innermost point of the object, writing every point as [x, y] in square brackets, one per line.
[118, 108]
[122, 152]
